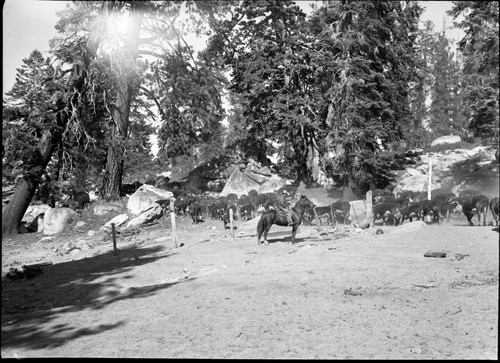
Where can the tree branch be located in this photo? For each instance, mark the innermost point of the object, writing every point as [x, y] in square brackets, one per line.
[153, 97]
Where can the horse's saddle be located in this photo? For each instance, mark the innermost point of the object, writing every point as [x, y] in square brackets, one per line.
[282, 215]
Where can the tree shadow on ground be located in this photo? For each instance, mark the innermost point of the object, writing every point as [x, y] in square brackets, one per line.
[29, 305]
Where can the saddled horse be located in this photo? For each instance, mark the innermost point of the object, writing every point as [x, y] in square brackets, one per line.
[271, 217]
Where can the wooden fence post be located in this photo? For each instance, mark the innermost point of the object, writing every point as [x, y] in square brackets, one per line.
[231, 221]
[429, 187]
[115, 252]
[172, 220]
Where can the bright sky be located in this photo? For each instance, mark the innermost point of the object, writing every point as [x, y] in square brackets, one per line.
[29, 24]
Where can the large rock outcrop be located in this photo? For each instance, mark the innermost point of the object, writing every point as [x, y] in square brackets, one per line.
[152, 212]
[56, 220]
[453, 170]
[33, 211]
[448, 139]
[117, 221]
[252, 176]
[145, 196]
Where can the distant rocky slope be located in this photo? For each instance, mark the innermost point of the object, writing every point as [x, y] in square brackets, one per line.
[453, 170]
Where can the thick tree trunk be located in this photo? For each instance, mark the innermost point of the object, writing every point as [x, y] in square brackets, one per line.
[312, 158]
[114, 163]
[25, 189]
[114, 172]
[119, 133]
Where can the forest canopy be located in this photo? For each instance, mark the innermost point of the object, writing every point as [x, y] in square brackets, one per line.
[323, 94]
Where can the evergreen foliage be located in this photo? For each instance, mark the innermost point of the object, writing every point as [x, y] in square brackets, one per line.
[325, 94]
[122, 77]
[444, 118]
[28, 112]
[480, 65]
[327, 90]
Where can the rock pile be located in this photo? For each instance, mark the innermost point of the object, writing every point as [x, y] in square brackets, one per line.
[253, 176]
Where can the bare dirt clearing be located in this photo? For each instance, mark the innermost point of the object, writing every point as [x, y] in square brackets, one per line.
[335, 294]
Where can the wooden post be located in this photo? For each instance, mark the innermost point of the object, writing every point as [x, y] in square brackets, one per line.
[115, 252]
[369, 210]
[231, 221]
[172, 220]
[429, 188]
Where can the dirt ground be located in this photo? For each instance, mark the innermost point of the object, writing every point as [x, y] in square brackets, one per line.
[338, 293]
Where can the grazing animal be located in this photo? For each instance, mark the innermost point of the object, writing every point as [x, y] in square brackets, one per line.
[266, 201]
[468, 193]
[494, 208]
[247, 212]
[378, 195]
[383, 199]
[322, 212]
[447, 208]
[217, 209]
[183, 204]
[384, 210]
[433, 207]
[448, 197]
[343, 208]
[267, 219]
[412, 196]
[127, 189]
[331, 211]
[196, 212]
[471, 203]
[243, 200]
[437, 194]
[79, 200]
[411, 211]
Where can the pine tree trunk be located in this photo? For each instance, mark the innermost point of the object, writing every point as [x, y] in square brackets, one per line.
[114, 164]
[312, 158]
[114, 172]
[25, 189]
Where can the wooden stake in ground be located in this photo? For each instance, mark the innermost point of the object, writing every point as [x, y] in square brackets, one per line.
[429, 187]
[172, 220]
[115, 252]
[369, 211]
[231, 221]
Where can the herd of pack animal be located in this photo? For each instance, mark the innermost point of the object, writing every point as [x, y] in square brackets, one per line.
[387, 206]
[415, 205]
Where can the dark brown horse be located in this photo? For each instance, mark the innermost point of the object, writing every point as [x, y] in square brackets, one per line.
[271, 217]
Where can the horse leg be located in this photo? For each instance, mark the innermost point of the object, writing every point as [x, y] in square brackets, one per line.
[294, 231]
[266, 230]
[261, 229]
